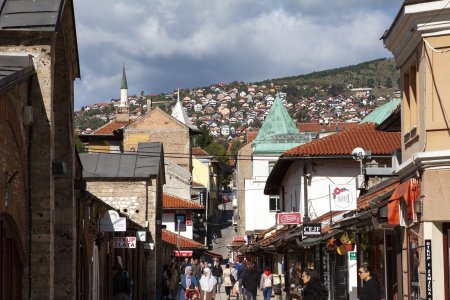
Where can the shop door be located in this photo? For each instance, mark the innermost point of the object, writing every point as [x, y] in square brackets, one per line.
[10, 266]
[338, 270]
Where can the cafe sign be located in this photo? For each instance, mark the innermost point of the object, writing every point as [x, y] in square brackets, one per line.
[342, 197]
[312, 229]
[183, 253]
[288, 218]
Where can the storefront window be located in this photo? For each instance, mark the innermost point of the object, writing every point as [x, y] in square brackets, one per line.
[414, 287]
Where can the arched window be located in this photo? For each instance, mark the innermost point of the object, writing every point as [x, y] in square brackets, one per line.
[11, 268]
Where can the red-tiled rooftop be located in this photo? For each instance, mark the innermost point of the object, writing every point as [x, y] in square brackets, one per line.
[197, 151]
[383, 190]
[316, 127]
[343, 142]
[108, 129]
[174, 202]
[185, 243]
[198, 185]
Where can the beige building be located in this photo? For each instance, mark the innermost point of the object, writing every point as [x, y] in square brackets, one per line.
[419, 38]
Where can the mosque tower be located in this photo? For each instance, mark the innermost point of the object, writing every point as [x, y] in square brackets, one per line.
[123, 110]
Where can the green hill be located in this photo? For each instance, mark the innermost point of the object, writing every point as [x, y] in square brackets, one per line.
[382, 75]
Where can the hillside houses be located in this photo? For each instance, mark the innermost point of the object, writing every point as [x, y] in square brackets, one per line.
[220, 105]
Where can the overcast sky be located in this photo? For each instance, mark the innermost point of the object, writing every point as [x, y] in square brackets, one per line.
[169, 44]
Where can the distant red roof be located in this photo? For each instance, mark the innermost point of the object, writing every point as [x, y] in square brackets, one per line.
[197, 151]
[316, 127]
[108, 129]
[343, 142]
[174, 202]
[251, 135]
[185, 243]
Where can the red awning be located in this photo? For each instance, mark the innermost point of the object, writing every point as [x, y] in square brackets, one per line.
[409, 192]
[212, 254]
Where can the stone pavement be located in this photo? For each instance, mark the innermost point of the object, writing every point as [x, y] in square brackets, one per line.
[259, 296]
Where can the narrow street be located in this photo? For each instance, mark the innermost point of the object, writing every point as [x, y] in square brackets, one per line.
[224, 230]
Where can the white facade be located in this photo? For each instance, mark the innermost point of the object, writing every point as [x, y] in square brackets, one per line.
[168, 220]
[258, 215]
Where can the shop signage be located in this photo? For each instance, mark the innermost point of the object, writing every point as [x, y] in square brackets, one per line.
[342, 197]
[125, 242]
[288, 218]
[352, 255]
[183, 253]
[141, 236]
[428, 271]
[112, 222]
[312, 229]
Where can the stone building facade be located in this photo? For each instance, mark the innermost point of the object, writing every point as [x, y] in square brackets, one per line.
[38, 164]
[133, 184]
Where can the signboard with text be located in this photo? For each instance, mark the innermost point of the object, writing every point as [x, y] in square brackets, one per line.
[428, 271]
[113, 222]
[124, 242]
[312, 229]
[183, 253]
[288, 218]
[342, 197]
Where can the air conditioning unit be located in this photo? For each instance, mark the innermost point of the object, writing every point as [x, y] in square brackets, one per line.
[360, 182]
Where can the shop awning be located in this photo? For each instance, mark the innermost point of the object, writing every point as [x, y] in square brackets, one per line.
[407, 192]
[212, 254]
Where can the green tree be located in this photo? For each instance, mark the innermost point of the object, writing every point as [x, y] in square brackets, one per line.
[79, 144]
[204, 139]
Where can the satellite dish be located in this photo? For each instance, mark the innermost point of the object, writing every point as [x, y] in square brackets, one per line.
[358, 153]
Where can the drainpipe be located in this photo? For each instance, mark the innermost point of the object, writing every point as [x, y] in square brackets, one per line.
[305, 193]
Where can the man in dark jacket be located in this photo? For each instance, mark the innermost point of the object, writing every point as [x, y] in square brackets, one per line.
[250, 281]
[217, 272]
[121, 283]
[240, 274]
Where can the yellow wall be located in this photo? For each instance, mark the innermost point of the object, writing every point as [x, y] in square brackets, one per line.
[200, 172]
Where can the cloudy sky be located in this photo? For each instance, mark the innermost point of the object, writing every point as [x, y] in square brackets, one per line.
[169, 44]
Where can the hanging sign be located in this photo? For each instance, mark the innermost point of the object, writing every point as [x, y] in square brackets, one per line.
[113, 222]
[141, 236]
[428, 271]
[342, 197]
[124, 242]
[183, 253]
[312, 229]
[288, 218]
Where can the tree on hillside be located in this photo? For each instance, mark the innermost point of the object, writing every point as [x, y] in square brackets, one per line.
[204, 139]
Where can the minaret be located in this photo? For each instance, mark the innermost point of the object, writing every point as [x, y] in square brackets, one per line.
[123, 111]
[124, 90]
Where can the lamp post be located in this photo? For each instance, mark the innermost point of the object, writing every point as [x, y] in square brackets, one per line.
[178, 242]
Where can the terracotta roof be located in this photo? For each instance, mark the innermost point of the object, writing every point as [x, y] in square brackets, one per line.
[251, 135]
[316, 127]
[109, 128]
[342, 143]
[273, 237]
[185, 243]
[197, 151]
[174, 202]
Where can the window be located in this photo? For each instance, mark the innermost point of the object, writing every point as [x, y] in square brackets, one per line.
[410, 117]
[274, 203]
[182, 219]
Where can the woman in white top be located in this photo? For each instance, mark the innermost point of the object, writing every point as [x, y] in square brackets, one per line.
[227, 280]
[207, 285]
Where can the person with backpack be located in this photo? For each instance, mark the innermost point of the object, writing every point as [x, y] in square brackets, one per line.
[313, 289]
[250, 281]
[266, 283]
[122, 283]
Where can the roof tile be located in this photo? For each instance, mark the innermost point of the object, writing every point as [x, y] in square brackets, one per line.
[343, 142]
[185, 243]
[174, 202]
[109, 128]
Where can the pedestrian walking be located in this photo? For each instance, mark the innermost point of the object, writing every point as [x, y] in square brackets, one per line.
[242, 271]
[122, 283]
[371, 289]
[174, 280]
[217, 272]
[196, 269]
[188, 281]
[228, 280]
[251, 282]
[165, 291]
[207, 285]
[313, 289]
[266, 283]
